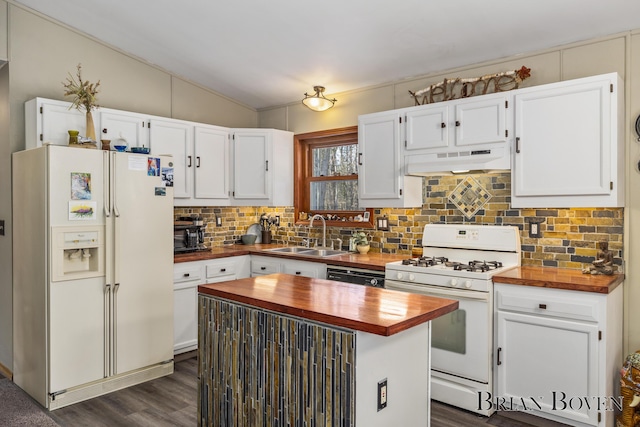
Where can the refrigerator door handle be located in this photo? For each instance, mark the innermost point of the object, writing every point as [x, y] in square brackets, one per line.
[107, 338]
[105, 179]
[112, 173]
[114, 192]
[114, 323]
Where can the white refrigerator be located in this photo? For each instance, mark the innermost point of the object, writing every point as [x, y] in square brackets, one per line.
[93, 271]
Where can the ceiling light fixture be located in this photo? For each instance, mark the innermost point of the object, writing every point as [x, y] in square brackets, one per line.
[317, 101]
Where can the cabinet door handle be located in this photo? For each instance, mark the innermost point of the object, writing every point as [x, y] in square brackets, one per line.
[104, 130]
[298, 273]
[197, 161]
[542, 306]
[499, 362]
[222, 270]
[517, 144]
[267, 163]
[185, 275]
[189, 165]
[443, 125]
[457, 123]
[263, 268]
[360, 159]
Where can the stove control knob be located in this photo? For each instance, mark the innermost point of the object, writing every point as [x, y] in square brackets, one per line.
[454, 282]
[399, 275]
[467, 284]
[412, 277]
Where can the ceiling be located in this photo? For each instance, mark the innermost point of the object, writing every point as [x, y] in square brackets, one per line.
[268, 53]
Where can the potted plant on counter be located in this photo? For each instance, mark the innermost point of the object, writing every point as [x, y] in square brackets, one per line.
[361, 242]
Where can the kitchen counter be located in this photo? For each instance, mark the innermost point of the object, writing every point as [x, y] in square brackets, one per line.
[560, 278]
[371, 261]
[361, 308]
[281, 349]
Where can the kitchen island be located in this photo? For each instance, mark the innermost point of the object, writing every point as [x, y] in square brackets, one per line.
[290, 350]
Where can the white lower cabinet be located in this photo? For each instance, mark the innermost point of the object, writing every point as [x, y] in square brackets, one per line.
[186, 278]
[261, 265]
[316, 270]
[557, 353]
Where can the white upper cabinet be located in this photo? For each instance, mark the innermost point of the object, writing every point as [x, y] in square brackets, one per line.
[464, 122]
[463, 134]
[48, 121]
[262, 167]
[569, 147]
[175, 138]
[208, 170]
[381, 180]
[200, 160]
[131, 126]
[211, 148]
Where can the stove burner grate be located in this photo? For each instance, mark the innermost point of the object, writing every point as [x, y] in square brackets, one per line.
[481, 266]
[425, 261]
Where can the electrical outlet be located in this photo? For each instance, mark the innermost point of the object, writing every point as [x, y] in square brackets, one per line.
[534, 228]
[382, 394]
[218, 221]
[277, 223]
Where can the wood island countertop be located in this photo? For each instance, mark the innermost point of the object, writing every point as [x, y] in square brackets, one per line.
[345, 305]
[559, 278]
[372, 261]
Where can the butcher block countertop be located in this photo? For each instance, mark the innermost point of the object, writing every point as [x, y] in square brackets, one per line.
[344, 305]
[559, 278]
[371, 261]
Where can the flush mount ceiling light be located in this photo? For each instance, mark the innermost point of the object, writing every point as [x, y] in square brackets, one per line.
[317, 101]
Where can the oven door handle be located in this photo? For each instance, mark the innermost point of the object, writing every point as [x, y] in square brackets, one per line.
[436, 291]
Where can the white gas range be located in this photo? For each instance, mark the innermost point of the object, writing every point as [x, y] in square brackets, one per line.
[458, 262]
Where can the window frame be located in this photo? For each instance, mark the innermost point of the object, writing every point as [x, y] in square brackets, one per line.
[303, 173]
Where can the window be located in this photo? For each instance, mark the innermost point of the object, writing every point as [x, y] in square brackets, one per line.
[326, 176]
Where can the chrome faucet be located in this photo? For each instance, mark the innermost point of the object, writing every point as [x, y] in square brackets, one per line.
[324, 228]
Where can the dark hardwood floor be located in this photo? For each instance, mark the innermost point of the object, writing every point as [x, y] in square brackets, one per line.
[172, 401]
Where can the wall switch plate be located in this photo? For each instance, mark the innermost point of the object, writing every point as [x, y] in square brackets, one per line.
[277, 223]
[382, 394]
[1, 227]
[218, 221]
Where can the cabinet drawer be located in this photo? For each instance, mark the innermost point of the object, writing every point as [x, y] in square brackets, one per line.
[548, 302]
[225, 267]
[186, 273]
[265, 267]
[304, 271]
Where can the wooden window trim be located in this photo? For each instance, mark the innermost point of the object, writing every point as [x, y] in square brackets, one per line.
[302, 170]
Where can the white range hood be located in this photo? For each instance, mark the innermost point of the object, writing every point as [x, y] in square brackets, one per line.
[490, 157]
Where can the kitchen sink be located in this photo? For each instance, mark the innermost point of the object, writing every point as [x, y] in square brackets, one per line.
[299, 250]
[324, 252]
[291, 250]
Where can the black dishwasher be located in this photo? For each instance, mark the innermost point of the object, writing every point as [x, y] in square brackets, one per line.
[358, 276]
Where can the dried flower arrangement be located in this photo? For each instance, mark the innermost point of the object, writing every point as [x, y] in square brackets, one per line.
[84, 92]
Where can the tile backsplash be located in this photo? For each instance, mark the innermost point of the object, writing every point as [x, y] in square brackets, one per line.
[569, 237]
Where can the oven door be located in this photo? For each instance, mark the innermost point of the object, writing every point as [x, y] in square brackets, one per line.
[460, 340]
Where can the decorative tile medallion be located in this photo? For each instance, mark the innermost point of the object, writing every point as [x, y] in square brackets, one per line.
[469, 197]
